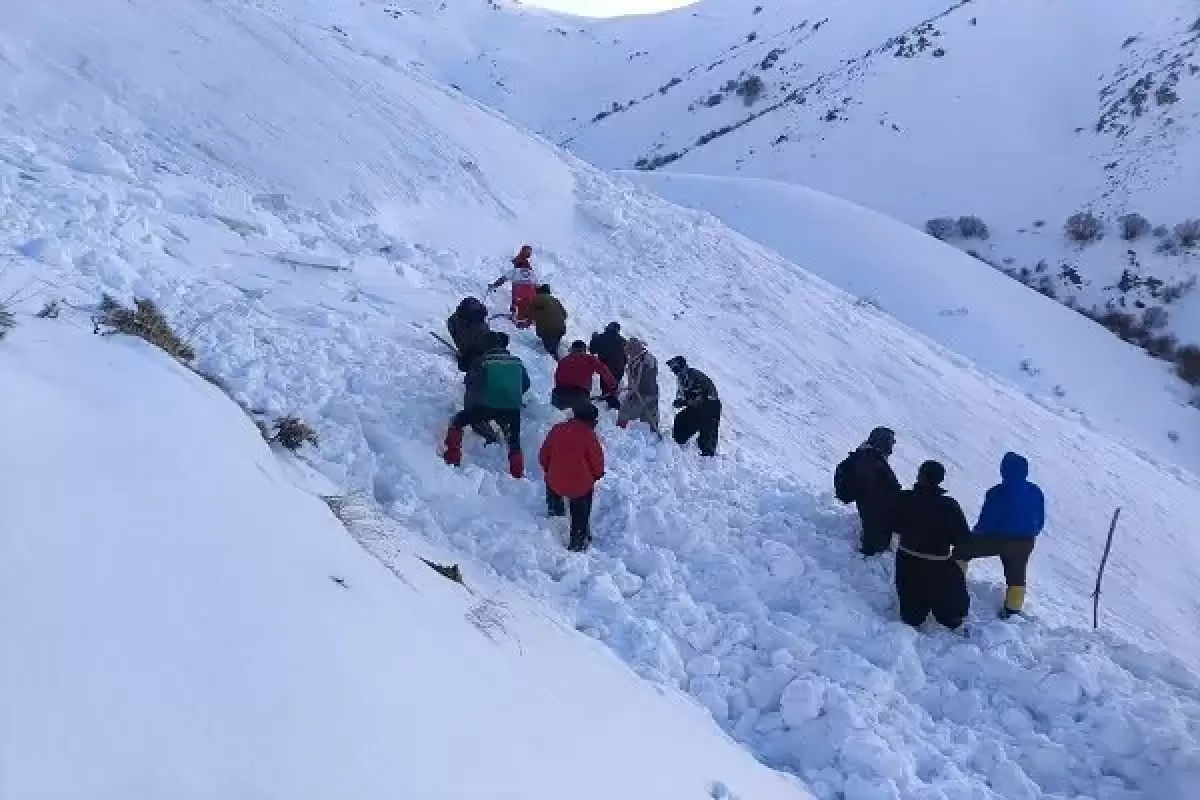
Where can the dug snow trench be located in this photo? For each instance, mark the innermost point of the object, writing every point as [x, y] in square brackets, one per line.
[181, 169]
[178, 619]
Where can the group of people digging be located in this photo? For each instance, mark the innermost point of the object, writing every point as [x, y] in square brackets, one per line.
[936, 544]
[571, 456]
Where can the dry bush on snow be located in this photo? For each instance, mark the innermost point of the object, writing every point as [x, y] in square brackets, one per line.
[1187, 364]
[1188, 232]
[972, 227]
[144, 321]
[1134, 226]
[1083, 226]
[7, 321]
[293, 433]
[942, 228]
[750, 89]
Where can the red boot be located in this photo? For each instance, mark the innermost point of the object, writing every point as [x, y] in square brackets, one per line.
[516, 465]
[453, 454]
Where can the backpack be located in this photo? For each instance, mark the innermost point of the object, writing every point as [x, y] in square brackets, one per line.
[844, 483]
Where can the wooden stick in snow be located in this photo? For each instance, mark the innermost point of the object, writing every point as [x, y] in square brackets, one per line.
[1100, 574]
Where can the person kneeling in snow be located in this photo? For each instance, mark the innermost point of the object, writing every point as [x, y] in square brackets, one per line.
[524, 286]
[699, 407]
[573, 461]
[641, 392]
[573, 379]
[549, 319]
[1013, 514]
[930, 524]
[495, 385]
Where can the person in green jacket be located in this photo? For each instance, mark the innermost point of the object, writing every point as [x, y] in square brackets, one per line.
[496, 383]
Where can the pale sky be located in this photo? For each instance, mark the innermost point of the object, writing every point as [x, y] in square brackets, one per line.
[607, 8]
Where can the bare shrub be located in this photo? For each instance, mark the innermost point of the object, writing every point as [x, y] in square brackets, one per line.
[1160, 231]
[293, 433]
[972, 227]
[1187, 364]
[750, 89]
[942, 228]
[1164, 346]
[1133, 226]
[1174, 292]
[1155, 318]
[146, 322]
[50, 311]
[1083, 227]
[1188, 232]
[7, 321]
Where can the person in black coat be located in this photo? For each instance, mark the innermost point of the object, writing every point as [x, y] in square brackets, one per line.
[931, 525]
[866, 479]
[699, 407]
[609, 347]
[468, 329]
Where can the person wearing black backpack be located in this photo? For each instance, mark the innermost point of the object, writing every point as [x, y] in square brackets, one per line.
[866, 479]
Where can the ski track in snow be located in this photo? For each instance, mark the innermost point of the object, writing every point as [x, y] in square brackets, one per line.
[733, 579]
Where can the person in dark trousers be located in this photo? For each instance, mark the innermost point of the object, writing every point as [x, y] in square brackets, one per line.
[573, 380]
[699, 407]
[609, 347]
[495, 386]
[865, 478]
[641, 390]
[931, 526]
[1013, 514]
[572, 460]
[469, 331]
[549, 319]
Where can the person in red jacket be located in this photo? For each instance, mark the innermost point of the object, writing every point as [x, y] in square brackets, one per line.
[573, 379]
[572, 459]
[524, 287]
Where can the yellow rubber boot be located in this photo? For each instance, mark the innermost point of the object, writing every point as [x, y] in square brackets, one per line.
[1014, 600]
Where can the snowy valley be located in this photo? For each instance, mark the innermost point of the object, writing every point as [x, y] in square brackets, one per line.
[302, 192]
[1011, 118]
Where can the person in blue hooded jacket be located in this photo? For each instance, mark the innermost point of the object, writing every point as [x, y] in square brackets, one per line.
[1013, 514]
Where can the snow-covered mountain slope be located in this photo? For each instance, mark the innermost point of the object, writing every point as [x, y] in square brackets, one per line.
[179, 619]
[1061, 357]
[306, 208]
[1016, 112]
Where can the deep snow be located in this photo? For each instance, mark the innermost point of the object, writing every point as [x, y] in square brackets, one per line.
[209, 165]
[181, 619]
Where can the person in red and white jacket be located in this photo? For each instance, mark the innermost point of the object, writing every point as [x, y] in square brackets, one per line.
[524, 286]
[573, 379]
[572, 460]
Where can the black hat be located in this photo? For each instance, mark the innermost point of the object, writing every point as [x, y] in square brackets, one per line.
[579, 346]
[882, 439]
[931, 473]
[677, 363]
[613, 327]
[588, 413]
